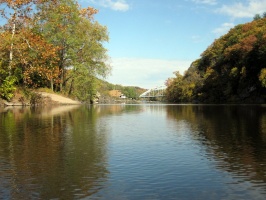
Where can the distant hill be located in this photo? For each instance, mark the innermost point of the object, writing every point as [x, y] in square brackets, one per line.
[231, 69]
[129, 91]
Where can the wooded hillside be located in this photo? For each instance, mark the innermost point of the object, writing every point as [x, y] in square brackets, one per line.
[231, 69]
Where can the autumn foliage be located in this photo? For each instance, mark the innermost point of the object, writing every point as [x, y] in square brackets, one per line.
[45, 44]
[231, 69]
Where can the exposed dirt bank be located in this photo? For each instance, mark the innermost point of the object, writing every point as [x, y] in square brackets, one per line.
[44, 98]
[59, 99]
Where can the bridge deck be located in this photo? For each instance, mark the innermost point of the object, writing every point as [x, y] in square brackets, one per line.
[154, 92]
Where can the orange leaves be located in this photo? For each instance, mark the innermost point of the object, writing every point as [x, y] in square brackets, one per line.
[247, 44]
[36, 58]
[16, 3]
[247, 27]
[17, 12]
[88, 12]
[38, 75]
[243, 47]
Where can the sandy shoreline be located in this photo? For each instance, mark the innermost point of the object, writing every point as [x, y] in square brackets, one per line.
[47, 99]
[60, 99]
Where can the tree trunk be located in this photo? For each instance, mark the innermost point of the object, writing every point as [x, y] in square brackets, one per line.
[12, 44]
[52, 84]
[62, 68]
[61, 81]
[71, 87]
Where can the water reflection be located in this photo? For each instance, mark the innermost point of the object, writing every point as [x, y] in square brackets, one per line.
[51, 152]
[234, 136]
[117, 109]
[133, 152]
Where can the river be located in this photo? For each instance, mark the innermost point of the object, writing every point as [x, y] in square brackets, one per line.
[144, 151]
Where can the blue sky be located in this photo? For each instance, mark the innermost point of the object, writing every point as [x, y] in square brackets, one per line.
[150, 39]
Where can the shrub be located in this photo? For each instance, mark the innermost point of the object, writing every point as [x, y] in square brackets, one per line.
[7, 88]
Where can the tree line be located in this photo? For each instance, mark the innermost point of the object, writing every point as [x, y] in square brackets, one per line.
[231, 69]
[51, 43]
[131, 92]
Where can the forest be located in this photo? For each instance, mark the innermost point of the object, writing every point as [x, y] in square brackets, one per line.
[231, 70]
[52, 44]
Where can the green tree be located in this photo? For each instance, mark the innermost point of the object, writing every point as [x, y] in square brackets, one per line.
[58, 24]
[130, 92]
[174, 88]
[91, 58]
[256, 17]
[82, 56]
[7, 83]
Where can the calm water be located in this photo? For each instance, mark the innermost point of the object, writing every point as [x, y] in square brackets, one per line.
[133, 152]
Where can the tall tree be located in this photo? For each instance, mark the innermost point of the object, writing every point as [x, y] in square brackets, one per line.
[16, 12]
[91, 56]
[79, 38]
[57, 23]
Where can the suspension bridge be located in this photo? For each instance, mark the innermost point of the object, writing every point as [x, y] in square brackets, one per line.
[154, 93]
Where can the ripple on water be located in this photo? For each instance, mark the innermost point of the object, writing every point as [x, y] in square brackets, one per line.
[134, 152]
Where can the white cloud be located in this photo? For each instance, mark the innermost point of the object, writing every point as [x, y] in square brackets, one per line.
[117, 5]
[224, 28]
[209, 2]
[244, 10]
[145, 73]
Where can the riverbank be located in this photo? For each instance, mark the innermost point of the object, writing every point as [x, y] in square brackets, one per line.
[39, 98]
[58, 99]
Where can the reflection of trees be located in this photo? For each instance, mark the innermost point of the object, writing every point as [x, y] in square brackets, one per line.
[50, 156]
[117, 109]
[236, 135]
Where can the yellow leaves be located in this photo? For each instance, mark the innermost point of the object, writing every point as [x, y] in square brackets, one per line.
[234, 72]
[209, 72]
[243, 72]
[262, 77]
[64, 9]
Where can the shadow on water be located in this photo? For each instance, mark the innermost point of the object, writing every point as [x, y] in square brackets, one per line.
[52, 152]
[234, 136]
